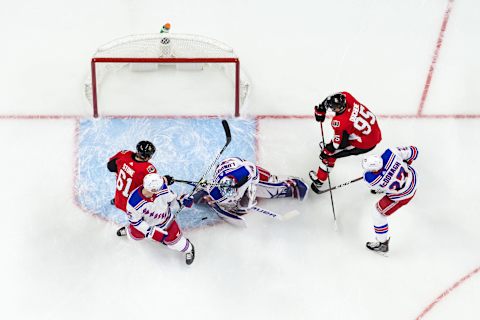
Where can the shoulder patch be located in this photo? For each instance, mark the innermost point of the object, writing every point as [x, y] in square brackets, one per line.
[371, 176]
[335, 123]
[151, 169]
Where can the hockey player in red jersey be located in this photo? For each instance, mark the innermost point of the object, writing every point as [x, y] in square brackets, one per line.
[130, 169]
[356, 131]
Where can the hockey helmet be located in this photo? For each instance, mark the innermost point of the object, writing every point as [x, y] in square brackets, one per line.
[145, 149]
[336, 102]
[152, 182]
[372, 163]
[227, 186]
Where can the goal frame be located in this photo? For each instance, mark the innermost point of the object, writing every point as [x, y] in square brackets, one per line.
[96, 60]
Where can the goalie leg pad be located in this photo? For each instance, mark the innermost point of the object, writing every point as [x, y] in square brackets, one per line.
[291, 188]
[299, 188]
[229, 217]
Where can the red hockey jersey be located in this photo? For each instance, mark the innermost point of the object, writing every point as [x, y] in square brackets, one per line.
[359, 123]
[130, 174]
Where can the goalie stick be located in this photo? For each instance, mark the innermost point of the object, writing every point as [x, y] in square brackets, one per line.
[208, 183]
[239, 221]
[282, 217]
[228, 137]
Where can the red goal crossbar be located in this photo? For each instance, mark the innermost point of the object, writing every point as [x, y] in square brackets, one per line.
[94, 61]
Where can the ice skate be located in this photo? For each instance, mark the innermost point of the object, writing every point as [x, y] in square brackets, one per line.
[122, 232]
[299, 188]
[316, 184]
[190, 256]
[379, 247]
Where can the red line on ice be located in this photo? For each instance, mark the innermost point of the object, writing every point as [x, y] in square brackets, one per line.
[446, 292]
[426, 87]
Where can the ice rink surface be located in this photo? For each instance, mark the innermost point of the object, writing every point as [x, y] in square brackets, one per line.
[414, 63]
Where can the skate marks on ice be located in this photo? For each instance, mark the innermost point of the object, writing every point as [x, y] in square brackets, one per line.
[184, 150]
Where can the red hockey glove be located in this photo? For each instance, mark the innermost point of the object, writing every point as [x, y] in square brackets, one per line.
[325, 154]
[320, 112]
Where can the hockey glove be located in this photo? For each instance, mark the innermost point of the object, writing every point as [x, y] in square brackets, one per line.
[320, 112]
[169, 179]
[186, 200]
[325, 154]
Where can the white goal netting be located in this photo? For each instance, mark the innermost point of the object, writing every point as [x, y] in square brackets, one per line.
[125, 53]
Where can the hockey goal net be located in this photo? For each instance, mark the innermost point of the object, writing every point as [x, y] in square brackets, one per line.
[149, 53]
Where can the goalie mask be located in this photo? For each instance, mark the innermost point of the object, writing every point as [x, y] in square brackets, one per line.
[153, 182]
[226, 186]
[372, 163]
[145, 149]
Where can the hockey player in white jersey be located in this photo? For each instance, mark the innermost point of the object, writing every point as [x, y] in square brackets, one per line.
[391, 174]
[149, 210]
[238, 183]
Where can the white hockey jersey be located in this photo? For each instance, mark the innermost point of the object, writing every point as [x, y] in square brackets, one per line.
[239, 173]
[144, 213]
[396, 178]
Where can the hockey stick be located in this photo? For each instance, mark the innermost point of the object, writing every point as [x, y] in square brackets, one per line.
[228, 136]
[341, 185]
[282, 217]
[206, 183]
[335, 226]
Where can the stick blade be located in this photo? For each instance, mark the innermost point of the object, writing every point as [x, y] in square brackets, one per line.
[289, 215]
[226, 127]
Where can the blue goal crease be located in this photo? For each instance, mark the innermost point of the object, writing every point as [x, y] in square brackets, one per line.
[185, 150]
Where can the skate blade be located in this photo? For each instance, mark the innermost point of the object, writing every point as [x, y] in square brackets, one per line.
[380, 253]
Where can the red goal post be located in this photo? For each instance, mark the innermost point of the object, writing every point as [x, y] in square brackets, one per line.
[164, 49]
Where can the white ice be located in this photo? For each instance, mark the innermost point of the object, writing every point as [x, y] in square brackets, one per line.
[58, 262]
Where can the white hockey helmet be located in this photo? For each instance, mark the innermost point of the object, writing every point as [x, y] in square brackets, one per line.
[372, 163]
[152, 182]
